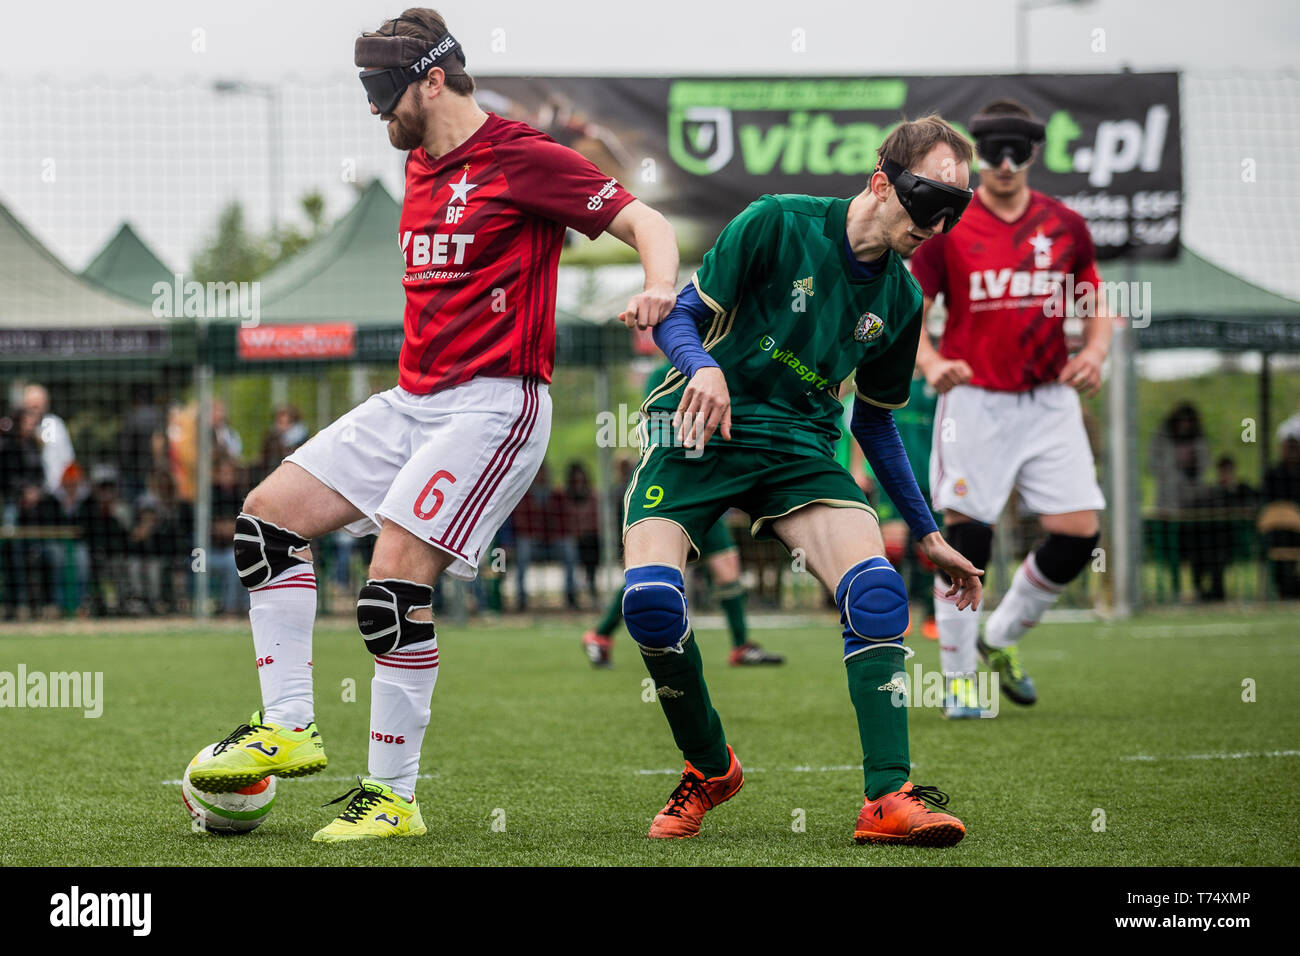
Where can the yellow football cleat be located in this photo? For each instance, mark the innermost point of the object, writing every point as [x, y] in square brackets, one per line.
[373, 811]
[256, 750]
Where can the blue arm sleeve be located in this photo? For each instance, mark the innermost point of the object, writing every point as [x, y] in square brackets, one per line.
[678, 335]
[876, 432]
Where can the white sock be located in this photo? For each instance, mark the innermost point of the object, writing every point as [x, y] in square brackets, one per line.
[958, 631]
[1030, 595]
[399, 712]
[282, 613]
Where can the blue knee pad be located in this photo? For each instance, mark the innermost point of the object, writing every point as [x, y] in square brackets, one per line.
[873, 606]
[654, 608]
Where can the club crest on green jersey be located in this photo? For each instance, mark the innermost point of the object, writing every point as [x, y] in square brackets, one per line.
[869, 327]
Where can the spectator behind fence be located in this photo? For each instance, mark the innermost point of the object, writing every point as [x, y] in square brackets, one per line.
[31, 563]
[142, 441]
[104, 519]
[20, 458]
[286, 433]
[584, 522]
[541, 534]
[1280, 522]
[226, 442]
[228, 493]
[1179, 455]
[56, 444]
[1223, 506]
[159, 543]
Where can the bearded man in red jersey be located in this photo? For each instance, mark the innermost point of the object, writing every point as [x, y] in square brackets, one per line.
[435, 465]
[1009, 415]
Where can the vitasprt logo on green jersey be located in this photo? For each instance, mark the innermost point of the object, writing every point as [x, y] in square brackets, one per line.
[702, 136]
[805, 132]
[787, 358]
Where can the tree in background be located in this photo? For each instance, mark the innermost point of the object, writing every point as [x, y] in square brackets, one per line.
[237, 254]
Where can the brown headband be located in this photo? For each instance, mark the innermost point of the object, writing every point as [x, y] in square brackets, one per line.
[400, 52]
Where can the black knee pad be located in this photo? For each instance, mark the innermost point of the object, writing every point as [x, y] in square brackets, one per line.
[972, 540]
[382, 607]
[262, 550]
[1062, 556]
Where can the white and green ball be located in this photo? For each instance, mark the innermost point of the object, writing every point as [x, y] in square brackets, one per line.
[236, 812]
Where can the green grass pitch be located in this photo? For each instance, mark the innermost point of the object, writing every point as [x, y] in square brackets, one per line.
[1144, 721]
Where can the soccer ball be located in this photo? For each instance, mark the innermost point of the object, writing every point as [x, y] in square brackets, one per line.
[236, 812]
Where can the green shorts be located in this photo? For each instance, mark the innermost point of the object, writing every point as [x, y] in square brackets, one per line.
[717, 539]
[694, 492]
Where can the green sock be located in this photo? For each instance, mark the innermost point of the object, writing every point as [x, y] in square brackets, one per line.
[613, 615]
[732, 599]
[697, 729]
[881, 725]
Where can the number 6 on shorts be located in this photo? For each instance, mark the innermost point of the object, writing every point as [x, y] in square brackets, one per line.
[436, 493]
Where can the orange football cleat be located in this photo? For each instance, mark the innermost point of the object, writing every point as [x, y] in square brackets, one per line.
[930, 629]
[695, 796]
[597, 648]
[901, 817]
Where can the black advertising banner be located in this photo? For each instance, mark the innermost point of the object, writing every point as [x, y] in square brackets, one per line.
[700, 149]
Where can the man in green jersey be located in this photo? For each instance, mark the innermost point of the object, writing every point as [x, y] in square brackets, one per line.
[797, 293]
[718, 553]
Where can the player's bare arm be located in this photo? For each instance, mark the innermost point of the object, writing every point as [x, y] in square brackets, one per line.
[942, 374]
[652, 236]
[1083, 371]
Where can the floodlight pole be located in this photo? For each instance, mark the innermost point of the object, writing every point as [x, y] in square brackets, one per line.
[274, 164]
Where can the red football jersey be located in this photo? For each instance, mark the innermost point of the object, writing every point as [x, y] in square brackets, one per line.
[996, 278]
[481, 229]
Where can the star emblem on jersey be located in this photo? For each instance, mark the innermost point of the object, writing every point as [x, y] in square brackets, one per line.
[869, 327]
[1042, 249]
[460, 190]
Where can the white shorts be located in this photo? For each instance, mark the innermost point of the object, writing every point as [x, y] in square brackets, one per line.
[987, 443]
[448, 467]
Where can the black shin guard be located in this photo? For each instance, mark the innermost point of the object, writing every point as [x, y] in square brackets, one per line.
[974, 541]
[1062, 556]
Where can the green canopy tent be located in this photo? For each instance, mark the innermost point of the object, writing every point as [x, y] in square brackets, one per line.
[128, 268]
[1196, 304]
[1187, 303]
[57, 326]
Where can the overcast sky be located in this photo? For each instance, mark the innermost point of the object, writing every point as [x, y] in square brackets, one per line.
[256, 39]
[117, 96]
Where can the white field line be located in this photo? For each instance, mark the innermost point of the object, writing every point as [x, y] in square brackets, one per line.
[1231, 755]
[1188, 630]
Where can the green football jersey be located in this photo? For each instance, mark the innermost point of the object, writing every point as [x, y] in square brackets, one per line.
[791, 322]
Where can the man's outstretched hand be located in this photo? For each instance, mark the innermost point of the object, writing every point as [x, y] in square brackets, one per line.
[965, 577]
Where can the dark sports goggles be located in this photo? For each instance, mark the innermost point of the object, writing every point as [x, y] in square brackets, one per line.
[999, 137]
[384, 87]
[927, 200]
[994, 148]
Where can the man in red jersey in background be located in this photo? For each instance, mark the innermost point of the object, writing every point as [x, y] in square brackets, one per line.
[435, 465]
[1009, 415]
